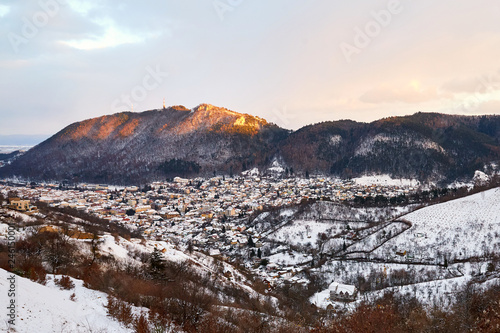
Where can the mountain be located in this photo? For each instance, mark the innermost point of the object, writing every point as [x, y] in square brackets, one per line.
[426, 146]
[135, 148]
[138, 147]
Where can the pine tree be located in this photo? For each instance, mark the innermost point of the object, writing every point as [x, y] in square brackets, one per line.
[259, 253]
[157, 264]
[250, 242]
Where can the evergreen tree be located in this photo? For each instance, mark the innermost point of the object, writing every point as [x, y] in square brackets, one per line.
[156, 264]
[250, 242]
[259, 253]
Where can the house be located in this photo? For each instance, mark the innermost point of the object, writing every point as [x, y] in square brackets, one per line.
[21, 205]
[342, 292]
[171, 214]
[230, 212]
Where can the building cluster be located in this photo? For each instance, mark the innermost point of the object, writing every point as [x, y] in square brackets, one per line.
[208, 214]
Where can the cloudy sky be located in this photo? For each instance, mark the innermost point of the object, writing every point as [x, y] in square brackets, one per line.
[293, 62]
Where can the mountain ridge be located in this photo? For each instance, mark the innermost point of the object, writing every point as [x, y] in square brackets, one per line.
[131, 147]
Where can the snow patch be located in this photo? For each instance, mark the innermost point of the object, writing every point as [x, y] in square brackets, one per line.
[276, 167]
[480, 178]
[385, 180]
[253, 172]
[368, 144]
[335, 140]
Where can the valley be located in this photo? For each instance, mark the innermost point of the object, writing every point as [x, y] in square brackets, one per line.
[267, 236]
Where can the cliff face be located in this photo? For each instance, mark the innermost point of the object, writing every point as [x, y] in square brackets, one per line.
[140, 147]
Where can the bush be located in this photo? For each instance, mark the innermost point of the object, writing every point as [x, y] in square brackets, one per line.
[121, 311]
[38, 274]
[65, 283]
[141, 324]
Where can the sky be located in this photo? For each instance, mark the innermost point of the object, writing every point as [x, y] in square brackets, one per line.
[292, 62]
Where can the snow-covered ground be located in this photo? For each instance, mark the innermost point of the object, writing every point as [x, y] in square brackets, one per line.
[458, 229]
[385, 180]
[48, 309]
[288, 258]
[461, 228]
[301, 232]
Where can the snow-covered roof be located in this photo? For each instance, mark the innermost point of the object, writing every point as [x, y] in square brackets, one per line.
[345, 288]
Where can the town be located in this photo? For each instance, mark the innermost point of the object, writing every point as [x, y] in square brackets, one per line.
[209, 214]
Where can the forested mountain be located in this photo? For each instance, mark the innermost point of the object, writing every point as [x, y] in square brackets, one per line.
[127, 147]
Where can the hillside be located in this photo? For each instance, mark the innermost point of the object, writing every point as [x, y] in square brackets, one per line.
[47, 308]
[136, 148]
[426, 255]
[425, 146]
[435, 262]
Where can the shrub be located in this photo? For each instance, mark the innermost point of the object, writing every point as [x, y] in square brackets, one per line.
[112, 307]
[120, 310]
[125, 316]
[64, 283]
[38, 274]
[141, 324]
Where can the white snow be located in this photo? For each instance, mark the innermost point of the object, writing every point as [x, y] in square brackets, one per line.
[109, 246]
[253, 172]
[480, 178]
[48, 309]
[385, 180]
[459, 228]
[339, 287]
[368, 145]
[301, 232]
[289, 258]
[335, 140]
[276, 167]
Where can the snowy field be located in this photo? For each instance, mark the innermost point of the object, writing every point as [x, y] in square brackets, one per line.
[465, 228]
[301, 232]
[48, 309]
[458, 229]
[385, 180]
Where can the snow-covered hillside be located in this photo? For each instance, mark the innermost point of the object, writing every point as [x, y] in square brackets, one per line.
[430, 253]
[48, 309]
[458, 229]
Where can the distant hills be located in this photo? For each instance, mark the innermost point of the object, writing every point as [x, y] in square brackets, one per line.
[127, 147]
